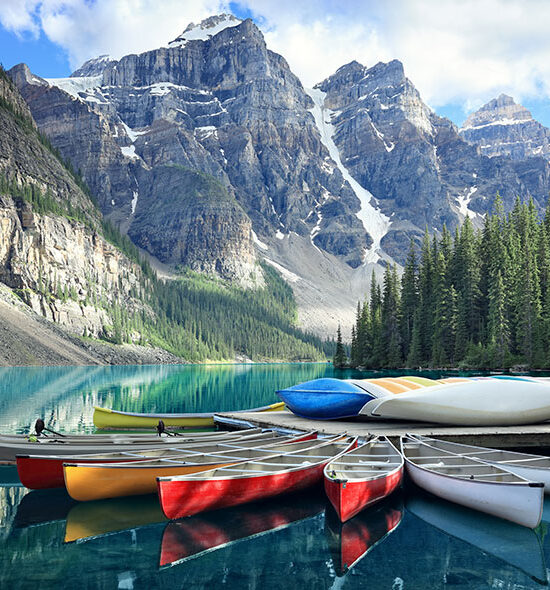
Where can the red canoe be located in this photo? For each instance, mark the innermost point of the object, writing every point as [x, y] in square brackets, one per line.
[186, 495]
[363, 476]
[46, 471]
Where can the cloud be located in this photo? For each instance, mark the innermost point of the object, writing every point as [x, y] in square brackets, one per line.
[17, 16]
[456, 52]
[88, 28]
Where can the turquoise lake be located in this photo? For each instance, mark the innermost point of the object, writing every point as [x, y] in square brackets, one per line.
[411, 541]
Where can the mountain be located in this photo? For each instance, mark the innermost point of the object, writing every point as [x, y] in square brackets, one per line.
[419, 170]
[210, 154]
[73, 290]
[504, 128]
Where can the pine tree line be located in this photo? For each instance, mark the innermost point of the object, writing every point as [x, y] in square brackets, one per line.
[476, 299]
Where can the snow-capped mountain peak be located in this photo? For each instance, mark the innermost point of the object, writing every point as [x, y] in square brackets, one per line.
[503, 127]
[206, 29]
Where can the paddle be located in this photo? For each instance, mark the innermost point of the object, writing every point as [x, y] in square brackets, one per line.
[161, 429]
[40, 426]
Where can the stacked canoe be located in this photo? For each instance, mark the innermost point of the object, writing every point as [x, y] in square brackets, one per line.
[476, 401]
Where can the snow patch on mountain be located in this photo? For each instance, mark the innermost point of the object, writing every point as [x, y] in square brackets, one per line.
[74, 86]
[374, 221]
[206, 29]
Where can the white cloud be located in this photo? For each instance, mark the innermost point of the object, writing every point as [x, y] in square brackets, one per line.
[88, 28]
[17, 16]
[456, 51]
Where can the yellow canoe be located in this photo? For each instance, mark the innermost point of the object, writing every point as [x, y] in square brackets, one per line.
[93, 482]
[85, 482]
[115, 419]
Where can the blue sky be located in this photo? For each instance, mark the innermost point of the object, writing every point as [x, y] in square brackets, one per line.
[458, 53]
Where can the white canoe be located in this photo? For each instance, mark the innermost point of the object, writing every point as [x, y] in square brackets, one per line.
[10, 446]
[531, 467]
[473, 483]
[484, 402]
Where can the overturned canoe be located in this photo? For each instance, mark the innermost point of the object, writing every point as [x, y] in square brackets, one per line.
[106, 418]
[363, 476]
[333, 399]
[474, 402]
[473, 483]
[97, 481]
[247, 482]
[40, 472]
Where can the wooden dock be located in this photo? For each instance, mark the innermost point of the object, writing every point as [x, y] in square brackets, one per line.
[532, 435]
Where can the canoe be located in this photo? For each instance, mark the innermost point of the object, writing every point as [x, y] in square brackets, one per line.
[46, 471]
[10, 447]
[512, 544]
[85, 482]
[336, 399]
[247, 482]
[106, 418]
[351, 541]
[476, 402]
[473, 483]
[363, 477]
[192, 537]
[526, 465]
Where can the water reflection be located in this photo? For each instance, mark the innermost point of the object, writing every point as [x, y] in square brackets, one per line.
[65, 396]
[514, 545]
[191, 537]
[291, 542]
[349, 542]
[87, 520]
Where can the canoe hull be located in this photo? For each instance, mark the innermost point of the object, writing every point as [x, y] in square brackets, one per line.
[38, 473]
[105, 418]
[47, 472]
[517, 503]
[324, 406]
[351, 497]
[180, 498]
[492, 402]
[96, 483]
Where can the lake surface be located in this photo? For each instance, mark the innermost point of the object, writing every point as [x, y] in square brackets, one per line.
[412, 541]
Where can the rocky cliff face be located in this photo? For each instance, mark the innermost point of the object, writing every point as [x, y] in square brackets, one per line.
[218, 101]
[504, 128]
[63, 268]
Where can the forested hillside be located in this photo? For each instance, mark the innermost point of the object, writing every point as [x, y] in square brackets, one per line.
[475, 299]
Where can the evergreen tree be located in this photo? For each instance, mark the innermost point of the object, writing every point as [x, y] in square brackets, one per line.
[391, 337]
[340, 359]
[409, 298]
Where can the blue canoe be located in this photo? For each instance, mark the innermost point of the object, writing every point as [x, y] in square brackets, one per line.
[325, 399]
